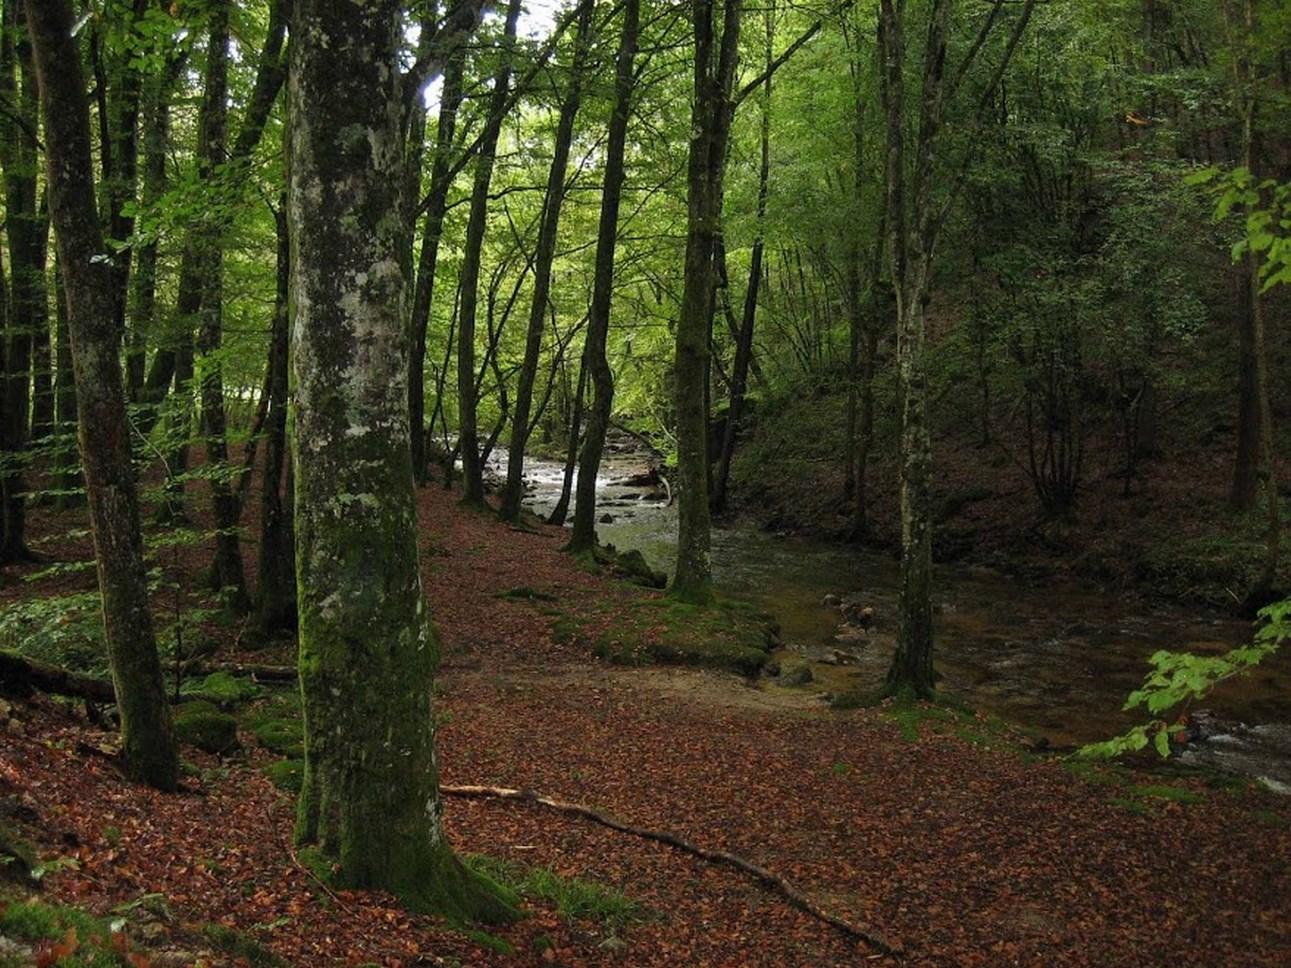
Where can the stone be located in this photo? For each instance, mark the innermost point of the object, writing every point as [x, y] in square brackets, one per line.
[795, 674]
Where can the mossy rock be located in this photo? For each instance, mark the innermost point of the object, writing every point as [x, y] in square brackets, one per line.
[286, 775]
[200, 723]
[633, 566]
[285, 736]
[17, 857]
[225, 690]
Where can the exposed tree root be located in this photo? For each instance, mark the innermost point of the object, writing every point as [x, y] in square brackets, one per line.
[777, 883]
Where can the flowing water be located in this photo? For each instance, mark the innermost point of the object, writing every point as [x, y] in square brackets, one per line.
[1058, 660]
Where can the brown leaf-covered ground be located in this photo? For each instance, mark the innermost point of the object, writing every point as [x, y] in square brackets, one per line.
[938, 833]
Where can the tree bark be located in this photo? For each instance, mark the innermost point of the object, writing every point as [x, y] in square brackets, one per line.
[149, 745]
[595, 362]
[27, 317]
[914, 217]
[227, 575]
[370, 803]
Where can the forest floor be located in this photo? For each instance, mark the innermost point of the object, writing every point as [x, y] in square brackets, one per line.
[934, 829]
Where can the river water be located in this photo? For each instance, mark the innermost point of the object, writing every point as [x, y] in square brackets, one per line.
[1057, 660]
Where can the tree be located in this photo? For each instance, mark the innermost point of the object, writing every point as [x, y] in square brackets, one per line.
[27, 314]
[467, 394]
[714, 73]
[370, 803]
[543, 261]
[598, 325]
[915, 217]
[148, 743]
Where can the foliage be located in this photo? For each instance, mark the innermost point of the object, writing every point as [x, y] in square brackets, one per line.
[65, 936]
[573, 897]
[63, 630]
[1179, 678]
[1266, 228]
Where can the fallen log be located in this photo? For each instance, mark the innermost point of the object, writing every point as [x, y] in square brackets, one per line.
[20, 676]
[777, 883]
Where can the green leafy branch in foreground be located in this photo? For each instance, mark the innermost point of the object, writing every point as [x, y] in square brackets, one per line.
[1178, 678]
[1267, 206]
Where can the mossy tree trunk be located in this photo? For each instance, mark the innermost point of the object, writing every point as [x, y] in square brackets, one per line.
[26, 321]
[915, 214]
[370, 802]
[710, 124]
[149, 744]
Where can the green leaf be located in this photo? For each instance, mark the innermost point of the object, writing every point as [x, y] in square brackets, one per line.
[1162, 742]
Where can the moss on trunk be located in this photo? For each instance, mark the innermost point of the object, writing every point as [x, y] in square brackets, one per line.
[370, 803]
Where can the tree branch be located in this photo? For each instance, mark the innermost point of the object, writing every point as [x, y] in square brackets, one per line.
[772, 880]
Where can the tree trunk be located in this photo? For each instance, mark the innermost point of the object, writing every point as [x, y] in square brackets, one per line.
[915, 214]
[543, 261]
[561, 510]
[227, 574]
[595, 362]
[744, 342]
[710, 123]
[27, 315]
[275, 598]
[155, 138]
[467, 397]
[450, 100]
[370, 804]
[149, 744]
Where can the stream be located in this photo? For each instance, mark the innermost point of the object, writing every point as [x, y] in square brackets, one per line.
[1057, 660]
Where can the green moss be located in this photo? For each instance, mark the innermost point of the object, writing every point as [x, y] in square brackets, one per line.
[573, 897]
[731, 636]
[287, 775]
[283, 736]
[1163, 791]
[92, 941]
[201, 724]
[225, 690]
[491, 941]
[241, 947]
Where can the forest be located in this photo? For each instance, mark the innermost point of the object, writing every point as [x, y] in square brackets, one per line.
[606, 482]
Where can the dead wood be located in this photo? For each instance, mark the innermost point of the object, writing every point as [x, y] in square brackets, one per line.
[21, 676]
[777, 883]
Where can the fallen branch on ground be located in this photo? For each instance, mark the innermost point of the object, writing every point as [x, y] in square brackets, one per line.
[774, 881]
[21, 676]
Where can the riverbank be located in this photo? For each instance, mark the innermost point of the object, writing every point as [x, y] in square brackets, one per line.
[1169, 535]
[934, 828]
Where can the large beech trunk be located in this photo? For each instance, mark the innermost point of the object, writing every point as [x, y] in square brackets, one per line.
[149, 744]
[370, 804]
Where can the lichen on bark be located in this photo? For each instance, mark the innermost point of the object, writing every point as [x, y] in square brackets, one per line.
[370, 802]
